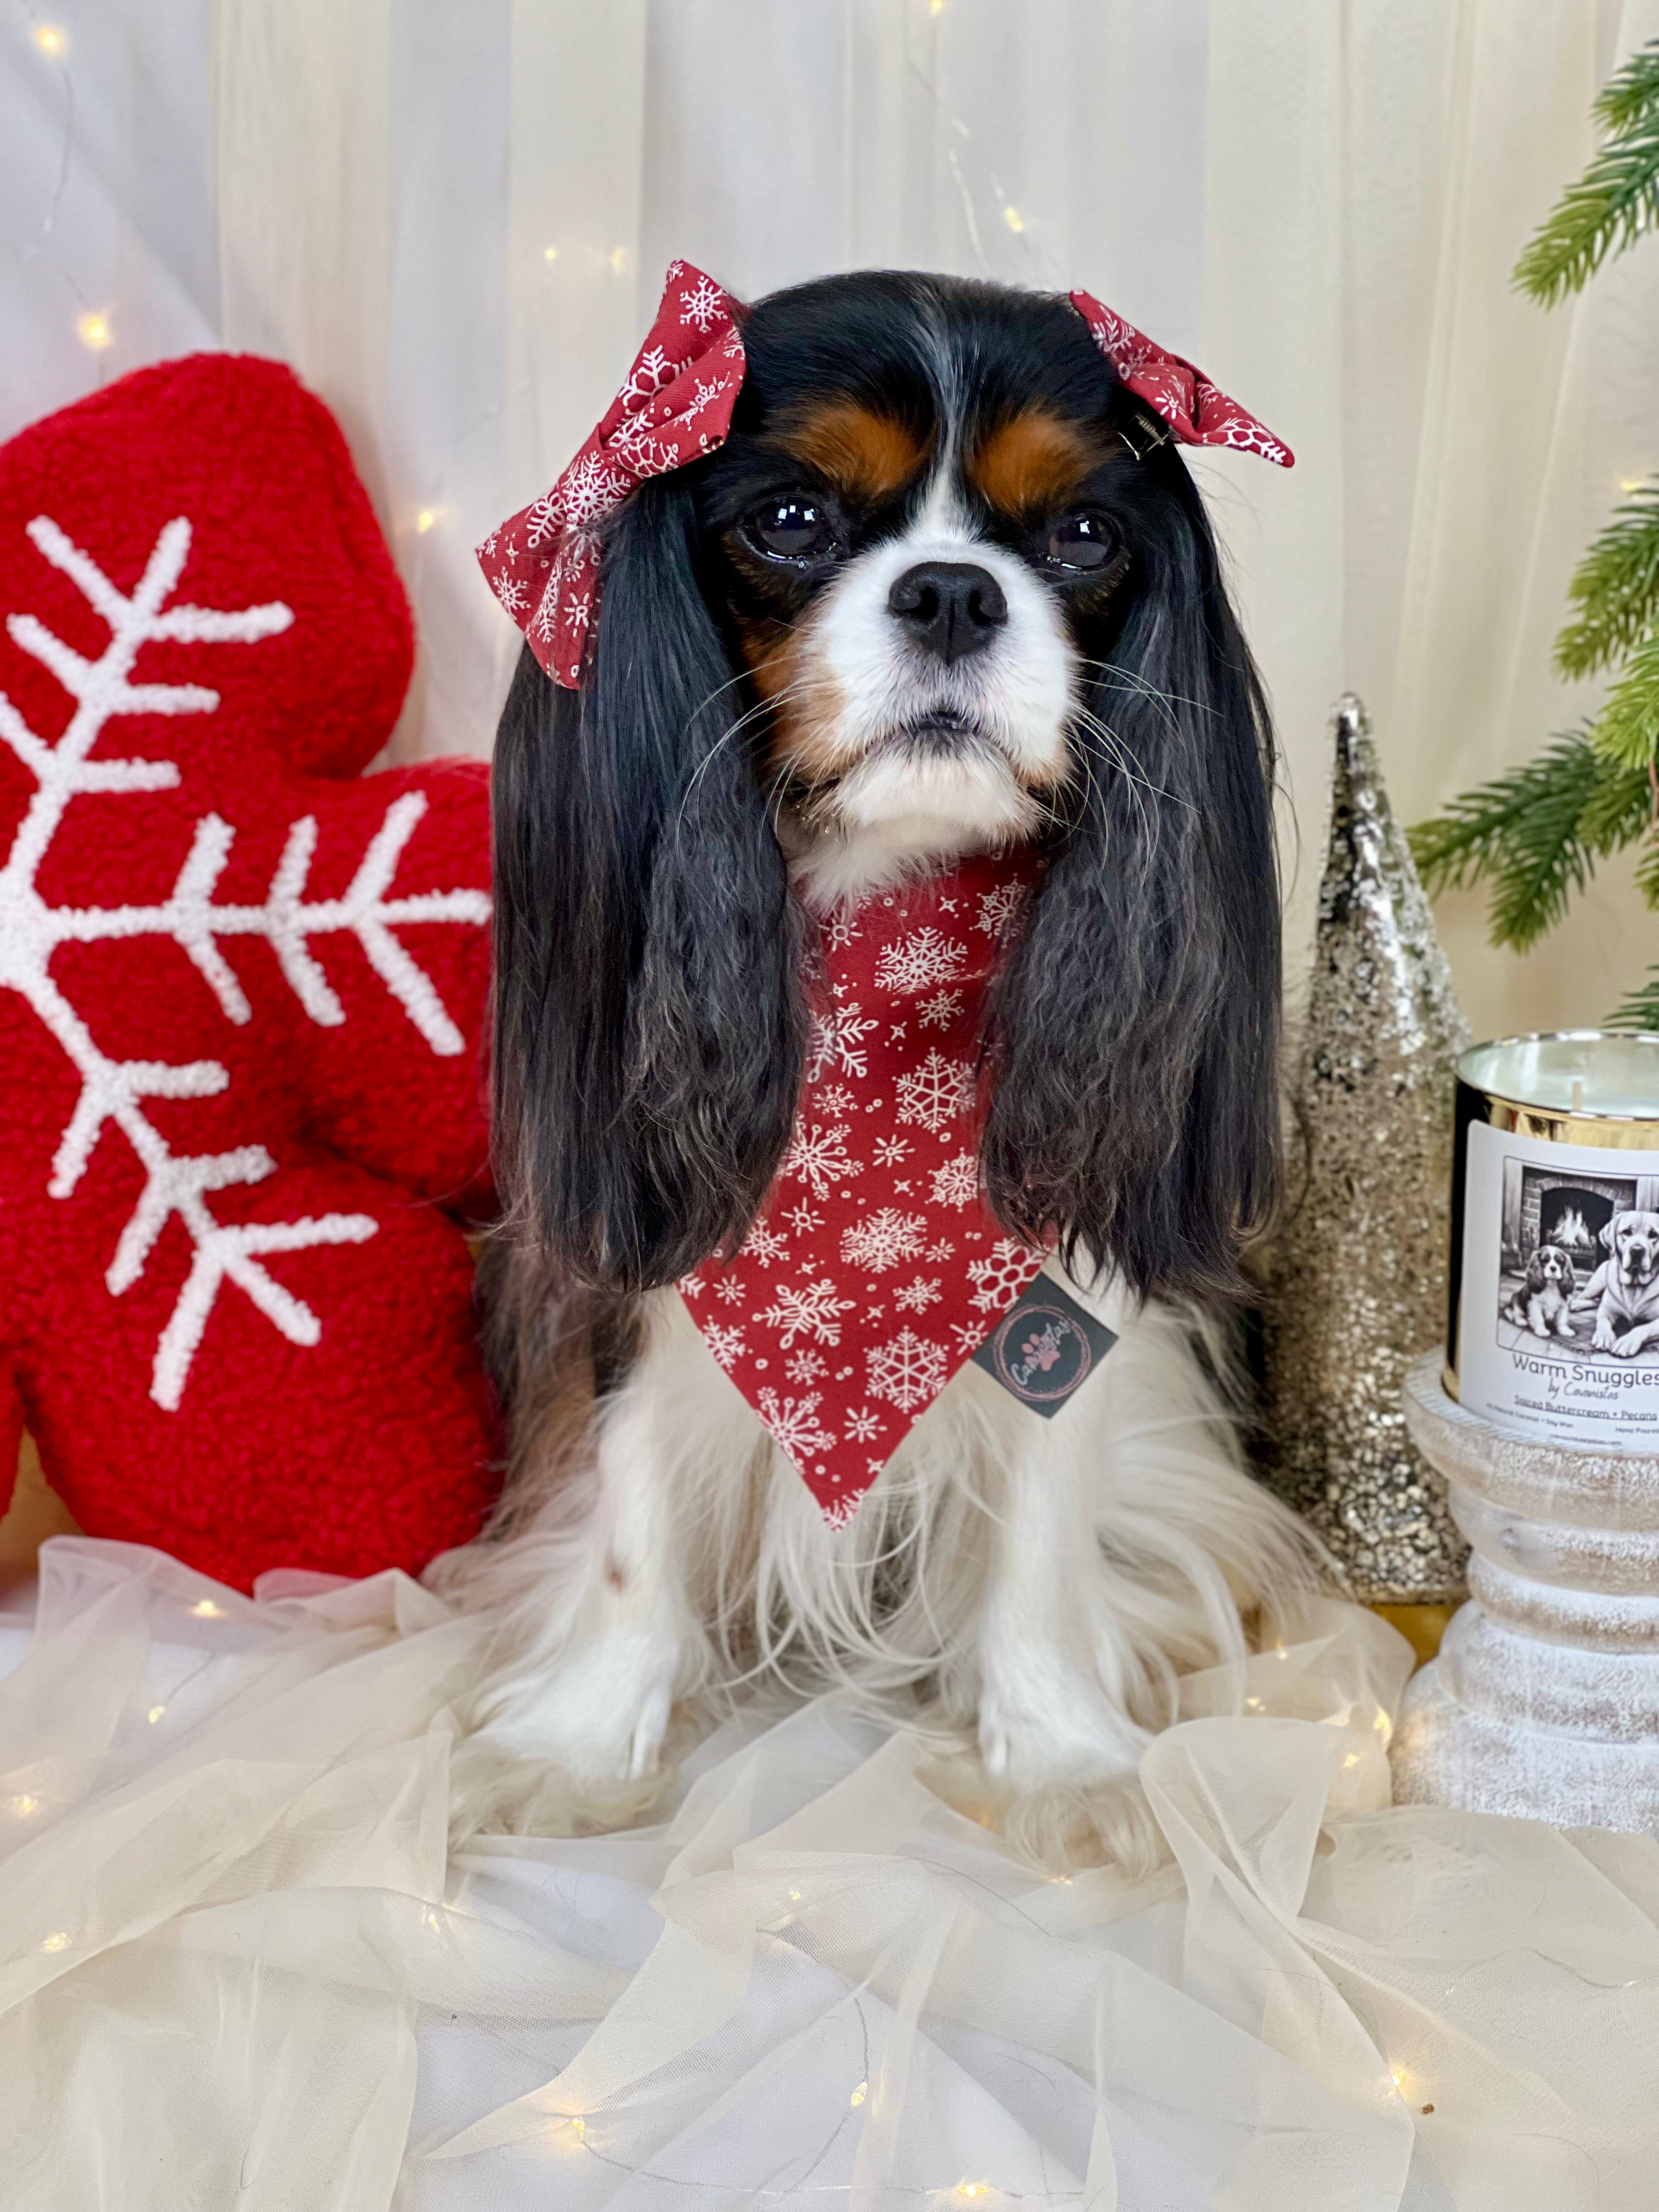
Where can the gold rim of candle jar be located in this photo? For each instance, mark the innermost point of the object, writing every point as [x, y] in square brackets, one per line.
[1590, 1125]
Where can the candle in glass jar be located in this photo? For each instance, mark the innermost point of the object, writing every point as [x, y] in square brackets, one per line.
[1554, 1294]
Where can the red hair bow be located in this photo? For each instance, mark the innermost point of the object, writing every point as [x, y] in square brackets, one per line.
[1195, 410]
[544, 564]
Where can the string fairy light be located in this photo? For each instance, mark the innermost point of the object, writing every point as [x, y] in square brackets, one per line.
[58, 1941]
[859, 2094]
[549, 254]
[1014, 219]
[93, 331]
[155, 1714]
[205, 1610]
[426, 520]
[25, 1804]
[53, 39]
[619, 259]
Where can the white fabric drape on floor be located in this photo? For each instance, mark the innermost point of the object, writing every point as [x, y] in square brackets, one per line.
[232, 1970]
[453, 223]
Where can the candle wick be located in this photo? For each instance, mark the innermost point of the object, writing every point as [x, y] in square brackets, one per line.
[1578, 1095]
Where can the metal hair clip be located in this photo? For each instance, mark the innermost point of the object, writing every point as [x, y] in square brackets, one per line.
[1157, 434]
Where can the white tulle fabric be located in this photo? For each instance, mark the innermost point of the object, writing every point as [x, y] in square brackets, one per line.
[237, 1971]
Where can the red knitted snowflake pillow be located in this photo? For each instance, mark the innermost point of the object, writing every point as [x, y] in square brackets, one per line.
[241, 990]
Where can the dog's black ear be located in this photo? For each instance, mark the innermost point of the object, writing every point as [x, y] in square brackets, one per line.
[1136, 1027]
[1535, 1270]
[649, 1019]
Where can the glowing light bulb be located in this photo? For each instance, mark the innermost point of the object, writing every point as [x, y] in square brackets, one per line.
[1253, 1704]
[1352, 1760]
[968, 2191]
[94, 332]
[549, 254]
[1631, 483]
[859, 2094]
[56, 1942]
[52, 38]
[619, 259]
[1383, 1726]
[794, 1897]
[25, 1804]
[155, 1714]
[1399, 2076]
[426, 520]
[1014, 219]
[936, 7]
[205, 1610]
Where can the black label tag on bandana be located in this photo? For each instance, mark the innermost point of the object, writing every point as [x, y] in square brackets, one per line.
[1045, 1347]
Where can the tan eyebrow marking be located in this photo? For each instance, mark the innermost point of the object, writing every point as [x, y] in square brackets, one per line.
[1032, 463]
[871, 455]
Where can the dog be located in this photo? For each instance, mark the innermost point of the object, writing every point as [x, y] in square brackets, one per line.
[1624, 1289]
[1544, 1303]
[945, 587]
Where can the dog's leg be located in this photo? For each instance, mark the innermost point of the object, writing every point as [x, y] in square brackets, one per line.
[1128, 1536]
[1049, 1711]
[602, 1636]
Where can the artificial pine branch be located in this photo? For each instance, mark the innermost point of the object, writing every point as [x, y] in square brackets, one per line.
[1615, 200]
[1616, 585]
[1535, 834]
[1641, 1010]
[1627, 728]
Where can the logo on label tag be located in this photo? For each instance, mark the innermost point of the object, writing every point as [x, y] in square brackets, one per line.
[1044, 1348]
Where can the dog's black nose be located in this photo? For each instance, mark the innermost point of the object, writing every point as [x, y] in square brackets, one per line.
[948, 608]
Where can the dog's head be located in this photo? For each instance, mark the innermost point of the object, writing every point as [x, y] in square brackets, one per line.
[1633, 1240]
[1550, 1264]
[946, 583]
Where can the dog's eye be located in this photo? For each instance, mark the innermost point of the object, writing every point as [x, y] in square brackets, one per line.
[793, 529]
[1079, 543]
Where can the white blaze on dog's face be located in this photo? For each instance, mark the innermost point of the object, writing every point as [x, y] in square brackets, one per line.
[953, 679]
[907, 598]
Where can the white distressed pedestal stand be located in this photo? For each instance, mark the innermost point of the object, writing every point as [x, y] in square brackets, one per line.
[1544, 1701]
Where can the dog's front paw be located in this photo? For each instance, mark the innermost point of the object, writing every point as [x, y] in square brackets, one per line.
[1631, 1343]
[1603, 1338]
[600, 1718]
[1065, 1734]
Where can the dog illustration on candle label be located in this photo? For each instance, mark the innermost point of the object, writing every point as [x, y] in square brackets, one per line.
[1625, 1289]
[1580, 1269]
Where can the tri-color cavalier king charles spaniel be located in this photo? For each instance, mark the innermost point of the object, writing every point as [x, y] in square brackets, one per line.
[944, 586]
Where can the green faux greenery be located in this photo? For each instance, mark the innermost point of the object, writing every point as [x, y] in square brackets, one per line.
[1535, 834]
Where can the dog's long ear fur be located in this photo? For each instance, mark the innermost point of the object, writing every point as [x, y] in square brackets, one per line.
[648, 1020]
[1136, 1031]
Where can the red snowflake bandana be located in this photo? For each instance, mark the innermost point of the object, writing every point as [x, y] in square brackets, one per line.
[875, 1268]
[543, 565]
[1195, 410]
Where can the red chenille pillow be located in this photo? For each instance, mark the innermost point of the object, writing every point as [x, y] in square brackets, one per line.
[242, 996]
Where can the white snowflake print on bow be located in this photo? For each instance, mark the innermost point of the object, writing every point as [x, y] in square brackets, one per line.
[1198, 412]
[876, 1267]
[543, 564]
[114, 1092]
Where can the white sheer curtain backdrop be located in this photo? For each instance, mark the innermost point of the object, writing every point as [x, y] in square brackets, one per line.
[452, 221]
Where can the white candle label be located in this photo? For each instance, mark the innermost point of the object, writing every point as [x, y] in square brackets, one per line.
[1558, 1312]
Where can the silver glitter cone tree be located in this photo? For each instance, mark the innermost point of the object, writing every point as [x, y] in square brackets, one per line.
[1355, 1278]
